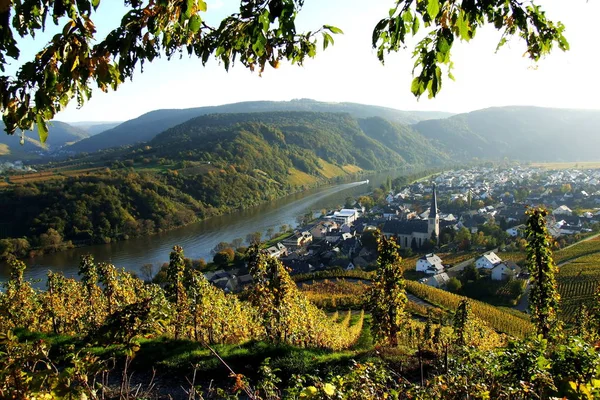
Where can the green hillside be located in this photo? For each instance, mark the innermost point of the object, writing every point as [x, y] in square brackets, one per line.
[408, 143]
[521, 133]
[145, 127]
[206, 166]
[276, 142]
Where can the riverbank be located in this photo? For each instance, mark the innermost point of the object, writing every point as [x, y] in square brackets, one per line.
[52, 241]
[198, 239]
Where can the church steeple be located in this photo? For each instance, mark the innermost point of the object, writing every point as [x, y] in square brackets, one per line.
[433, 211]
[433, 222]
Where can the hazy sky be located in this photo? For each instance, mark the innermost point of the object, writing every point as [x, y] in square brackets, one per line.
[350, 71]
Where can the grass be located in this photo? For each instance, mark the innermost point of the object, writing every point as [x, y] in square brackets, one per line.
[276, 239]
[352, 169]
[299, 178]
[177, 358]
[329, 170]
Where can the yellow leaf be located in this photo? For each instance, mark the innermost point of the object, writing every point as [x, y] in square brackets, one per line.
[329, 389]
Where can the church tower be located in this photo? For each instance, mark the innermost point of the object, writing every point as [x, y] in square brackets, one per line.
[433, 223]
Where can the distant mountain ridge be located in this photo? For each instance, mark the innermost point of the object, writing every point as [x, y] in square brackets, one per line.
[147, 126]
[519, 133]
[60, 134]
[522, 133]
[93, 127]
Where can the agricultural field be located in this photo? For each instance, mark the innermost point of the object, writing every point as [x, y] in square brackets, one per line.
[578, 280]
[300, 178]
[510, 323]
[568, 165]
[518, 257]
[33, 177]
[83, 171]
[580, 249]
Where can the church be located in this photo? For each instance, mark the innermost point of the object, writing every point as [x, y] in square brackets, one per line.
[419, 230]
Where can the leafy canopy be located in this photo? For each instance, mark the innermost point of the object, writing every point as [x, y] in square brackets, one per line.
[262, 32]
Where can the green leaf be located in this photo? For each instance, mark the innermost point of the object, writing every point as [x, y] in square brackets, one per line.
[433, 8]
[195, 23]
[416, 87]
[42, 128]
[463, 26]
[202, 6]
[191, 5]
[95, 4]
[327, 39]
[263, 19]
[333, 29]
[415, 26]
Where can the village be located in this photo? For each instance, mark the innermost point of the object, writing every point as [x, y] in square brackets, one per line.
[479, 212]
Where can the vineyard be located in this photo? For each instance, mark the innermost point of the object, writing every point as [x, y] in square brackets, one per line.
[578, 280]
[511, 324]
[338, 294]
[43, 176]
[112, 304]
[580, 249]
[33, 177]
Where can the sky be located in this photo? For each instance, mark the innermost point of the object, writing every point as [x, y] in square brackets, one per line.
[350, 71]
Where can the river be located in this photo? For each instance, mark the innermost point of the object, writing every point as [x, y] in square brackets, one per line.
[200, 238]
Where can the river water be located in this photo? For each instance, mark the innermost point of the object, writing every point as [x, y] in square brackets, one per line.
[200, 238]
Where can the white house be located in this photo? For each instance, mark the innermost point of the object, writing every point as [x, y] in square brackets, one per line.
[345, 216]
[430, 264]
[298, 239]
[516, 230]
[562, 210]
[505, 270]
[277, 250]
[488, 260]
[437, 280]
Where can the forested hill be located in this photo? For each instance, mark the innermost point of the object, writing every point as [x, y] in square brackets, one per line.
[280, 141]
[206, 166]
[519, 133]
[145, 127]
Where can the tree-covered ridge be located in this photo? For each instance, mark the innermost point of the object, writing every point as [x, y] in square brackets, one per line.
[519, 133]
[412, 146]
[147, 126]
[260, 140]
[96, 208]
[207, 166]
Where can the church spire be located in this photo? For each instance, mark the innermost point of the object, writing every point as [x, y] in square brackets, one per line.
[434, 209]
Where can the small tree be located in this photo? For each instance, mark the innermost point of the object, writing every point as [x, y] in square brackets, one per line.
[175, 289]
[454, 285]
[224, 257]
[544, 297]
[387, 298]
[254, 238]
[460, 322]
